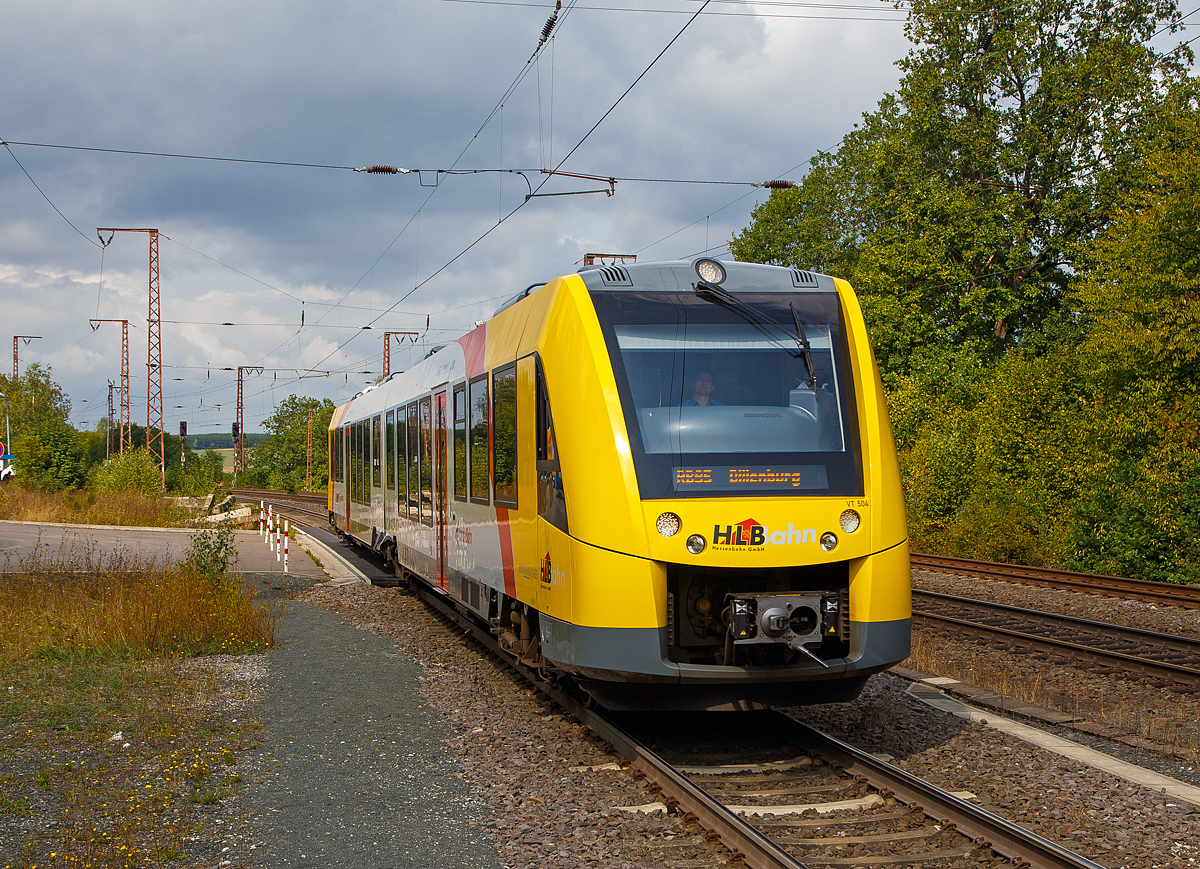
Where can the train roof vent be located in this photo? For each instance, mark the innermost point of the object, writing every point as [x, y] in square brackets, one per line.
[804, 279]
[615, 276]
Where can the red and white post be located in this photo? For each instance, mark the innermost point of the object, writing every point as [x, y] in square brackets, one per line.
[262, 519]
[285, 545]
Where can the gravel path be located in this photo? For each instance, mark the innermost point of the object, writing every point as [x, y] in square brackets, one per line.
[520, 758]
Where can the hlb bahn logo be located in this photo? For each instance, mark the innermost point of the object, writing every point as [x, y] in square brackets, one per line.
[749, 536]
[551, 575]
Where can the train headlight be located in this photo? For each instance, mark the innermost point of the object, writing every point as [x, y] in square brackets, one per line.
[668, 524]
[849, 521]
[828, 541]
[710, 271]
[696, 544]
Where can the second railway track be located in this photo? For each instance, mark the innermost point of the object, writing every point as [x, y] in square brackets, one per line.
[308, 508]
[1090, 583]
[1159, 656]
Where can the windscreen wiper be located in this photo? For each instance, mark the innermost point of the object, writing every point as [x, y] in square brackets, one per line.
[713, 293]
[802, 340]
[716, 295]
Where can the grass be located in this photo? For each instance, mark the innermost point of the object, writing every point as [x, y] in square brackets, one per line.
[111, 746]
[89, 508]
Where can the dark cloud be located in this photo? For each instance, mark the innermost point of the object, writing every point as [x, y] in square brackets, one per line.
[408, 84]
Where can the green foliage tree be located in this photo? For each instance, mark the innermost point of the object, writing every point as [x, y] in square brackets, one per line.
[960, 207]
[1020, 221]
[1140, 294]
[279, 461]
[50, 453]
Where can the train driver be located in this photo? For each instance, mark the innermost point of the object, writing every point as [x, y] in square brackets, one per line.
[702, 388]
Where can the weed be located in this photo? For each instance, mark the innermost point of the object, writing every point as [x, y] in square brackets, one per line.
[211, 551]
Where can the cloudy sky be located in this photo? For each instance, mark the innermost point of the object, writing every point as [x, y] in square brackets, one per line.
[747, 93]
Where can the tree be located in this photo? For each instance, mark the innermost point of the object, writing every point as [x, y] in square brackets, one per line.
[1141, 295]
[279, 461]
[960, 208]
[50, 453]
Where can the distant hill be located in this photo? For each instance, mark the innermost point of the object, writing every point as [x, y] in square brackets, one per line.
[223, 441]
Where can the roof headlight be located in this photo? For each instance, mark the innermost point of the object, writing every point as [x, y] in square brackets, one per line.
[710, 271]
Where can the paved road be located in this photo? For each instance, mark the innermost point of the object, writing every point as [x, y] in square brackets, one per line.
[19, 539]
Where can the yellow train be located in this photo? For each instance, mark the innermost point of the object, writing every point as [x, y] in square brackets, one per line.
[672, 483]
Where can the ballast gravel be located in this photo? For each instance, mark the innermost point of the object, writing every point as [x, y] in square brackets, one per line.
[520, 755]
[1140, 714]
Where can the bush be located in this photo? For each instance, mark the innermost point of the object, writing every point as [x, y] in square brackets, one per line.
[134, 471]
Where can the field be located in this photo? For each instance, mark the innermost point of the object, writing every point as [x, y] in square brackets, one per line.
[227, 458]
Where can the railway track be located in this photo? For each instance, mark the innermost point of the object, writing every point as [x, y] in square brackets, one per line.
[1172, 659]
[1117, 586]
[825, 804]
[306, 508]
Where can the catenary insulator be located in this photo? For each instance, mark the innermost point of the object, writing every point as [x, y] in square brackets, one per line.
[777, 184]
[550, 22]
[382, 170]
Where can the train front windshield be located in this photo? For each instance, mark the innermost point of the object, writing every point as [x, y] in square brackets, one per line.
[734, 398]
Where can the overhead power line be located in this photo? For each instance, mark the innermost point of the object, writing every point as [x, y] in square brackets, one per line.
[643, 10]
[47, 198]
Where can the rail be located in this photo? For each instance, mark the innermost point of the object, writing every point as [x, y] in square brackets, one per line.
[288, 502]
[1046, 577]
[1146, 652]
[748, 844]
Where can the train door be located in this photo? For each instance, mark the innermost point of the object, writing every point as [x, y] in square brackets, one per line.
[440, 479]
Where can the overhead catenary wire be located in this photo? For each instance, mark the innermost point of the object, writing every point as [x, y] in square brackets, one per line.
[561, 162]
[44, 196]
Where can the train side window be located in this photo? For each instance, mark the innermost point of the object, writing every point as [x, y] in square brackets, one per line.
[353, 432]
[504, 434]
[360, 477]
[389, 449]
[460, 442]
[414, 465]
[401, 461]
[426, 461]
[335, 438]
[340, 454]
[477, 434]
[376, 453]
[552, 499]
